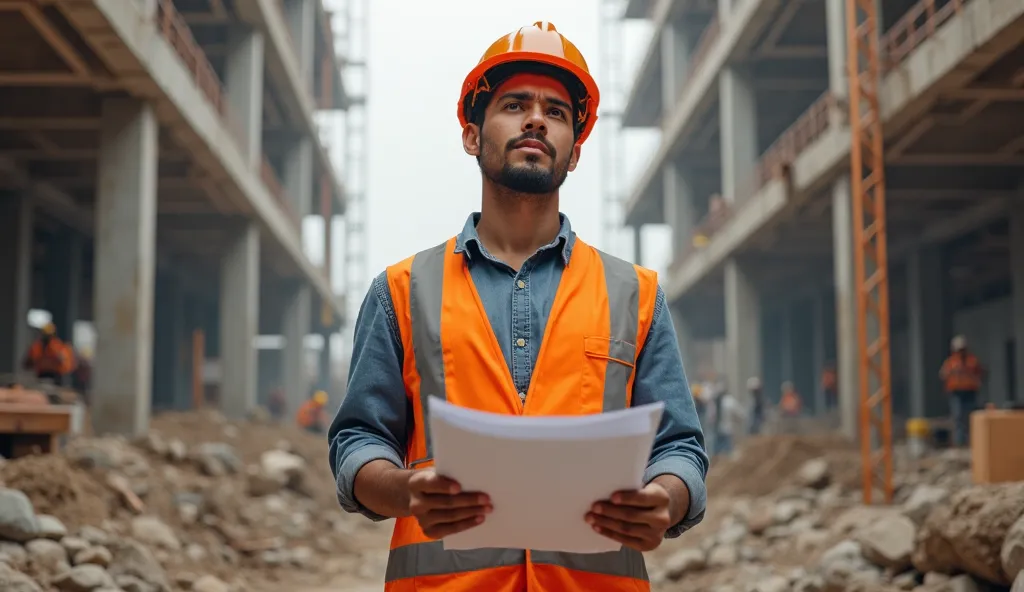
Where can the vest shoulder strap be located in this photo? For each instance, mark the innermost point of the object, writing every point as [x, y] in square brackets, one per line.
[632, 292]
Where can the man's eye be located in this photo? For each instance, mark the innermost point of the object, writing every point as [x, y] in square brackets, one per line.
[512, 106]
[556, 112]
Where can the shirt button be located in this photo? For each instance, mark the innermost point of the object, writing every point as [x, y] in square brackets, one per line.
[521, 342]
[521, 284]
[522, 396]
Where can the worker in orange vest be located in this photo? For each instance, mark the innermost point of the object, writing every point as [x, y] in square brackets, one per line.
[311, 415]
[790, 407]
[515, 315]
[829, 385]
[49, 357]
[962, 374]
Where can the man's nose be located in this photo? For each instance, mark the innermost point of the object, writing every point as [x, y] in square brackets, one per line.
[534, 120]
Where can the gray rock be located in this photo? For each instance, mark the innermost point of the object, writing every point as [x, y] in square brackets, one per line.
[906, 580]
[13, 554]
[83, 578]
[921, 501]
[50, 527]
[218, 458]
[1012, 553]
[153, 531]
[135, 560]
[889, 543]
[772, 584]
[209, 583]
[133, 584]
[73, 544]
[683, 562]
[723, 556]
[94, 535]
[814, 473]
[94, 555]
[809, 583]
[15, 581]
[47, 556]
[1018, 584]
[963, 583]
[18, 520]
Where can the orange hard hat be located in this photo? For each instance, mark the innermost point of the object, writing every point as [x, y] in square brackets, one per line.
[539, 44]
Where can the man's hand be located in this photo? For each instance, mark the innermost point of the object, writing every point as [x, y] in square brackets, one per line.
[441, 507]
[639, 519]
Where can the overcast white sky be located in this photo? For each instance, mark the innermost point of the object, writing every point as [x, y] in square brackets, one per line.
[421, 183]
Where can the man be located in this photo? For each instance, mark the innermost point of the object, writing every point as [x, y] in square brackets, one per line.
[791, 406]
[962, 374]
[731, 417]
[515, 315]
[829, 384]
[757, 404]
[311, 416]
[49, 357]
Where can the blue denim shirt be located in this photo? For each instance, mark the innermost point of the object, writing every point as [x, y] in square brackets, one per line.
[374, 419]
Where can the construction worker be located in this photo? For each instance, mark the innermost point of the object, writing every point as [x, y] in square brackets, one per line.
[515, 315]
[311, 415]
[829, 382]
[790, 407]
[731, 417]
[49, 357]
[757, 404]
[277, 404]
[962, 374]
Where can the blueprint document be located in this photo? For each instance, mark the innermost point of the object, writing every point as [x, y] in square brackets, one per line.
[542, 473]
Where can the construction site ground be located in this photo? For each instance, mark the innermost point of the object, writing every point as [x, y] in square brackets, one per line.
[210, 505]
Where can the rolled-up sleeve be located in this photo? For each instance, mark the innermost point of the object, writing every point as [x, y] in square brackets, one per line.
[372, 423]
[679, 447]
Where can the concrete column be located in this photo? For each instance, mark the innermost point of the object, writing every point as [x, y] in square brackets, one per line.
[168, 343]
[296, 323]
[244, 82]
[302, 22]
[742, 327]
[16, 224]
[928, 331]
[739, 140]
[324, 367]
[680, 212]
[298, 175]
[124, 267]
[239, 321]
[675, 59]
[1017, 279]
[786, 344]
[63, 281]
[835, 26]
[724, 9]
[847, 366]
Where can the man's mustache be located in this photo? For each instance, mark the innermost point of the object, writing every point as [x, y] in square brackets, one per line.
[531, 136]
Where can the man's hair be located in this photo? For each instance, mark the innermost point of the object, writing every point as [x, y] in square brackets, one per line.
[502, 72]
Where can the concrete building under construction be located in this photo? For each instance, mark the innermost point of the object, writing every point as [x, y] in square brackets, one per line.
[753, 175]
[157, 160]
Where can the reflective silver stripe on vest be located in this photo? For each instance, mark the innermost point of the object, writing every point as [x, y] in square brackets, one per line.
[430, 559]
[624, 310]
[426, 286]
[625, 562]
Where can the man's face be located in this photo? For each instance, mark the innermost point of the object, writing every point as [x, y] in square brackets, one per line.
[526, 143]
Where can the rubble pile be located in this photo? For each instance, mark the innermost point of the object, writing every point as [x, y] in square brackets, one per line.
[199, 503]
[807, 530]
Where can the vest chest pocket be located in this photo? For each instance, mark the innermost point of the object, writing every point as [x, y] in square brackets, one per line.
[607, 367]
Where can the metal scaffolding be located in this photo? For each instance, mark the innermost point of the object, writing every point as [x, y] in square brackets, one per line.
[613, 97]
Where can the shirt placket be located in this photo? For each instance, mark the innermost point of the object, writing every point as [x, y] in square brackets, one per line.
[522, 365]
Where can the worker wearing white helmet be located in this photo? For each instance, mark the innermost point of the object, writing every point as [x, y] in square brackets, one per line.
[962, 375]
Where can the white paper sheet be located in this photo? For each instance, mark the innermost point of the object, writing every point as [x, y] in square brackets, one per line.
[541, 473]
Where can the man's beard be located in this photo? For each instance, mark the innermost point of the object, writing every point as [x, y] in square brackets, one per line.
[529, 178]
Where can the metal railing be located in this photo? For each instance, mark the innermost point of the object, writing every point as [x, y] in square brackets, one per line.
[773, 164]
[178, 35]
[916, 25]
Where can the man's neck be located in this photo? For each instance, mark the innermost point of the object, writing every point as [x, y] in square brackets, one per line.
[512, 227]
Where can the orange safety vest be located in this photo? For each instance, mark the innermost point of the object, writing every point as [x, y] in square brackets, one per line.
[790, 403]
[310, 414]
[56, 356]
[962, 373]
[601, 312]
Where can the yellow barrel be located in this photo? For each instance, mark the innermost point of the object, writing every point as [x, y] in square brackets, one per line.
[918, 427]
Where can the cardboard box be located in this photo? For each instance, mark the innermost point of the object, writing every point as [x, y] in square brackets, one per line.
[997, 446]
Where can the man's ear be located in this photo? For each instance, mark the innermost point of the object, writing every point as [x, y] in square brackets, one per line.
[471, 139]
[575, 158]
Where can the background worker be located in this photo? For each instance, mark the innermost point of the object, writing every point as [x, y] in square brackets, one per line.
[757, 404]
[48, 356]
[533, 321]
[311, 415]
[962, 374]
[790, 407]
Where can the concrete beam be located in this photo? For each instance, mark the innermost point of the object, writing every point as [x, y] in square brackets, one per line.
[124, 267]
[16, 225]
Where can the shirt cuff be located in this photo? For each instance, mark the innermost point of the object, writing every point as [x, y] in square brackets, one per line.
[693, 478]
[350, 466]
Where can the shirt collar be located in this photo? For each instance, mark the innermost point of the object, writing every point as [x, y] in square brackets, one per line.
[564, 241]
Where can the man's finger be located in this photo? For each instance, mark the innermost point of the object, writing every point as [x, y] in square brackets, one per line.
[623, 527]
[643, 498]
[630, 541]
[624, 513]
[446, 516]
[442, 530]
[462, 500]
